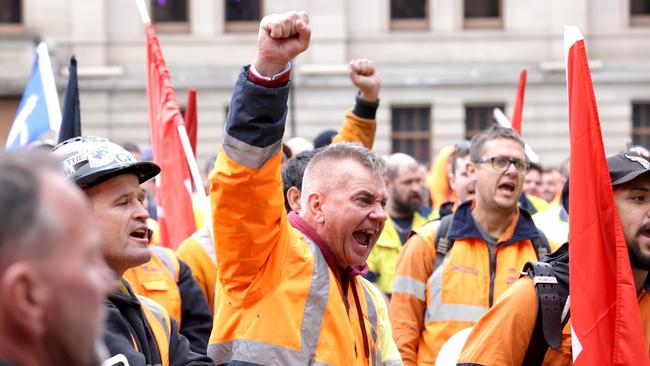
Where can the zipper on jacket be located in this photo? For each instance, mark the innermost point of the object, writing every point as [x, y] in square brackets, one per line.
[493, 269]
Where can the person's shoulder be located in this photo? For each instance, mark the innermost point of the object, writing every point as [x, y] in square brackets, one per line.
[427, 230]
[521, 291]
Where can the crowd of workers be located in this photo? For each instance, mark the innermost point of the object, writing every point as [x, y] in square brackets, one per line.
[332, 256]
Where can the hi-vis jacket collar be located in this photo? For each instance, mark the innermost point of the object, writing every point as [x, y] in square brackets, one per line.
[463, 225]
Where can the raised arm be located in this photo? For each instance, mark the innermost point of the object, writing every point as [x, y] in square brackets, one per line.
[360, 122]
[250, 225]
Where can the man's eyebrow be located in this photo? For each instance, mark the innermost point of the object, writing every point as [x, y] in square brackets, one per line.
[123, 196]
[640, 189]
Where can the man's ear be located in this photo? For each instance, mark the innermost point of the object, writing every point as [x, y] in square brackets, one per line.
[24, 296]
[471, 170]
[451, 180]
[315, 207]
[293, 198]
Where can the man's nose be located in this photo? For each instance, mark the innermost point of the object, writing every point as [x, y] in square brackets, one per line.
[141, 213]
[377, 213]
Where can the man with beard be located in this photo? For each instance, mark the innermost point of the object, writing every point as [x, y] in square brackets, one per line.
[403, 182]
[53, 279]
[452, 271]
[513, 320]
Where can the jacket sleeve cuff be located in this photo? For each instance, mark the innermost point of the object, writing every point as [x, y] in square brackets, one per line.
[277, 80]
[365, 109]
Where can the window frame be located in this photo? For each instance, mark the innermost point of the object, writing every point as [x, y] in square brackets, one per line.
[638, 20]
[410, 24]
[484, 22]
[241, 26]
[482, 105]
[15, 28]
[173, 27]
[415, 136]
[641, 132]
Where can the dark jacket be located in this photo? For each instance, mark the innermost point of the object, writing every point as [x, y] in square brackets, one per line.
[126, 324]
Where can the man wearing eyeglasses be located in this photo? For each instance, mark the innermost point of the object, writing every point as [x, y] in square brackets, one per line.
[453, 270]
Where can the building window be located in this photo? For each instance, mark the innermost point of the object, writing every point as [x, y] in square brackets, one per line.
[478, 118]
[243, 15]
[482, 14]
[409, 14]
[170, 15]
[640, 13]
[10, 12]
[641, 124]
[411, 132]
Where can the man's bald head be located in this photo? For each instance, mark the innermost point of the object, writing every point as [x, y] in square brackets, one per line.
[396, 161]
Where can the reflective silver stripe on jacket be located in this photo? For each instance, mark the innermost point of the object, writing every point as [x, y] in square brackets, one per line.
[167, 261]
[312, 319]
[202, 236]
[437, 311]
[409, 286]
[250, 156]
[156, 310]
[375, 356]
[393, 363]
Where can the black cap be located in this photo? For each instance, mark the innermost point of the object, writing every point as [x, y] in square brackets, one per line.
[324, 138]
[623, 167]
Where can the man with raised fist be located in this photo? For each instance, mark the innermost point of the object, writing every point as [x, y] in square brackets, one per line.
[291, 295]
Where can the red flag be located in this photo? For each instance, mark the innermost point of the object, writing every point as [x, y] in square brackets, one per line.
[606, 326]
[518, 109]
[175, 213]
[190, 119]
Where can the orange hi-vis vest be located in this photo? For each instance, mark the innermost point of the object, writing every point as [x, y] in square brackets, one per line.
[158, 321]
[158, 280]
[197, 252]
[429, 304]
[277, 301]
[160, 325]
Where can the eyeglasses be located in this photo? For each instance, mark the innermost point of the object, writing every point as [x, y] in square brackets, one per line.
[501, 163]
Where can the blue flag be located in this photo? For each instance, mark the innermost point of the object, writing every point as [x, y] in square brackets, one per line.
[39, 109]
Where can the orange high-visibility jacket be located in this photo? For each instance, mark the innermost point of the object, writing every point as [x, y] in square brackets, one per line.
[157, 280]
[277, 302]
[170, 283]
[428, 307]
[502, 336]
[140, 331]
[197, 251]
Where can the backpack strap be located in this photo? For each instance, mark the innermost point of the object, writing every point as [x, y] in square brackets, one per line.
[443, 243]
[541, 245]
[548, 327]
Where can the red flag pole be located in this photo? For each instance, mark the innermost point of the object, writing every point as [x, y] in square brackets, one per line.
[518, 108]
[190, 119]
[605, 321]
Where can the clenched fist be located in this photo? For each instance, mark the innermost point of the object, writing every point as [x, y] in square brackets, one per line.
[281, 38]
[365, 76]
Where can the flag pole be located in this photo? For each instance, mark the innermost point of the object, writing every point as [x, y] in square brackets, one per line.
[142, 9]
[196, 176]
[187, 147]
